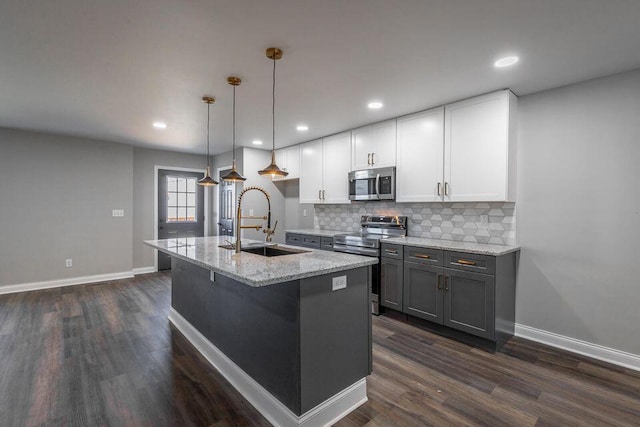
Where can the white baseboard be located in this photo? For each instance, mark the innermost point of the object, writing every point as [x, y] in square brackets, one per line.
[144, 270]
[595, 351]
[275, 412]
[34, 286]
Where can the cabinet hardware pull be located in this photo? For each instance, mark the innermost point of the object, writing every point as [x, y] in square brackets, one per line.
[446, 285]
[439, 280]
[322, 194]
[446, 188]
[392, 252]
[373, 159]
[439, 189]
[319, 194]
[465, 262]
[369, 159]
[422, 256]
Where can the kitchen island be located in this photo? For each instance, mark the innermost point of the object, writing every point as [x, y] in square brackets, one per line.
[291, 333]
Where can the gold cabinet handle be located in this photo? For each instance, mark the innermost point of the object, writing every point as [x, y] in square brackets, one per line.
[373, 159]
[439, 189]
[369, 159]
[392, 252]
[422, 256]
[319, 194]
[465, 262]
[446, 188]
[439, 280]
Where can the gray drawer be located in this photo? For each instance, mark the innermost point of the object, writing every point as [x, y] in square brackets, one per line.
[326, 243]
[423, 255]
[390, 250]
[485, 264]
[303, 240]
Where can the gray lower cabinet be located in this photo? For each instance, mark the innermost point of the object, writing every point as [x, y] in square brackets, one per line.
[309, 241]
[468, 292]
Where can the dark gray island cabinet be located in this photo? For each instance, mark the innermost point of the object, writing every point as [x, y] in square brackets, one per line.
[291, 333]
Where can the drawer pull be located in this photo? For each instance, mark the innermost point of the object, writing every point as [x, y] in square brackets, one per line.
[439, 280]
[422, 256]
[392, 252]
[465, 262]
[446, 284]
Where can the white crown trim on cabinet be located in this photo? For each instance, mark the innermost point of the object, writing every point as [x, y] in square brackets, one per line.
[48, 284]
[595, 351]
[271, 408]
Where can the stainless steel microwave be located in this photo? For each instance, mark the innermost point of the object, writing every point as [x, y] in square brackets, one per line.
[373, 184]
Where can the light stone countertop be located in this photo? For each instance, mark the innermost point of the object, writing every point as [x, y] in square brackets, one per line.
[450, 245]
[257, 270]
[316, 232]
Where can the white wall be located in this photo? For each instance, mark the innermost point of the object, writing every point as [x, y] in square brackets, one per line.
[56, 198]
[578, 211]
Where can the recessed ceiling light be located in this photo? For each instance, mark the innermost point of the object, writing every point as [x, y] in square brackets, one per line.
[506, 61]
[302, 128]
[375, 105]
[159, 125]
[257, 142]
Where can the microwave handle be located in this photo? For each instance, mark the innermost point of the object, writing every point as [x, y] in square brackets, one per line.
[378, 186]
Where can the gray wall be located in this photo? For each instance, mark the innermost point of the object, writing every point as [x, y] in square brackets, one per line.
[144, 162]
[56, 198]
[578, 211]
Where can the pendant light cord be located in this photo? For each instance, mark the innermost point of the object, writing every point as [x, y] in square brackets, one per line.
[208, 127]
[273, 106]
[234, 125]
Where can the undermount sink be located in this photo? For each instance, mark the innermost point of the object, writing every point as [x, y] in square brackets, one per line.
[266, 250]
[273, 251]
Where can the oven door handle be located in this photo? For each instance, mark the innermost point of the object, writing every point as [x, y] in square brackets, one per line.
[359, 251]
[378, 186]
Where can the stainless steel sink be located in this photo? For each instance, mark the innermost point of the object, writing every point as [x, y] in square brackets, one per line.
[274, 250]
[266, 250]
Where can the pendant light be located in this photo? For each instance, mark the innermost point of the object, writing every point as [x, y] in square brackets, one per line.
[233, 175]
[207, 181]
[273, 53]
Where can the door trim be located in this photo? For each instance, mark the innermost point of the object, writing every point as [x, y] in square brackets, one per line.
[156, 168]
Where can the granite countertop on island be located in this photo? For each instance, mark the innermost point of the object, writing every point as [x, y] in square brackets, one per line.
[316, 232]
[257, 270]
[450, 245]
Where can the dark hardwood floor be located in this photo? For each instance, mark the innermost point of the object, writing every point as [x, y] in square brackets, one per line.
[106, 354]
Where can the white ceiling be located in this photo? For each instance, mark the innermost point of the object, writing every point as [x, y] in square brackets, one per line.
[108, 69]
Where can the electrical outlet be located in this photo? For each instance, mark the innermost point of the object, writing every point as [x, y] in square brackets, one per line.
[304, 212]
[484, 221]
[250, 212]
[117, 212]
[339, 282]
[68, 263]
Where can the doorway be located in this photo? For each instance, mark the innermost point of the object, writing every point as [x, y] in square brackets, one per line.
[226, 205]
[180, 208]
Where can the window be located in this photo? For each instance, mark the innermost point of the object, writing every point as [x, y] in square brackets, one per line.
[181, 199]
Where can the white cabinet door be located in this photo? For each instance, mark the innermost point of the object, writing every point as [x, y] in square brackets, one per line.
[383, 151]
[311, 172]
[336, 168]
[420, 148]
[477, 152]
[362, 145]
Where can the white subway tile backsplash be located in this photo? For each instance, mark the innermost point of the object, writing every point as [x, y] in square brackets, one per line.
[446, 221]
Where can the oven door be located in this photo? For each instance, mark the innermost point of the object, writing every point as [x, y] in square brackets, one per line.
[372, 184]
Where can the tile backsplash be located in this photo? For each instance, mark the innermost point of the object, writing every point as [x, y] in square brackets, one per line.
[469, 222]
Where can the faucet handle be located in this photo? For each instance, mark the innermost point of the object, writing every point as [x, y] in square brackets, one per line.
[270, 231]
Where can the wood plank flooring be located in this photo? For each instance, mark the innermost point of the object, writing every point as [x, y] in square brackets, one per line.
[106, 354]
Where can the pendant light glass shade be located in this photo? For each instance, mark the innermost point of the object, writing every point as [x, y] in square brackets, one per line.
[274, 54]
[234, 175]
[207, 181]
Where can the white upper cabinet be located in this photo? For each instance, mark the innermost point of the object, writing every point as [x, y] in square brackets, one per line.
[420, 151]
[374, 146]
[336, 162]
[311, 172]
[480, 149]
[324, 170]
[288, 159]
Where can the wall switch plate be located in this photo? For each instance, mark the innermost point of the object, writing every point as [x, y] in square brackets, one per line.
[484, 220]
[250, 212]
[117, 212]
[339, 282]
[304, 212]
[68, 263]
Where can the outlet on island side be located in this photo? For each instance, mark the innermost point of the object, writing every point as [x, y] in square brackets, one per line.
[339, 282]
[68, 262]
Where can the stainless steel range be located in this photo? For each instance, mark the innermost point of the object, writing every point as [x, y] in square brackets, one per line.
[373, 229]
